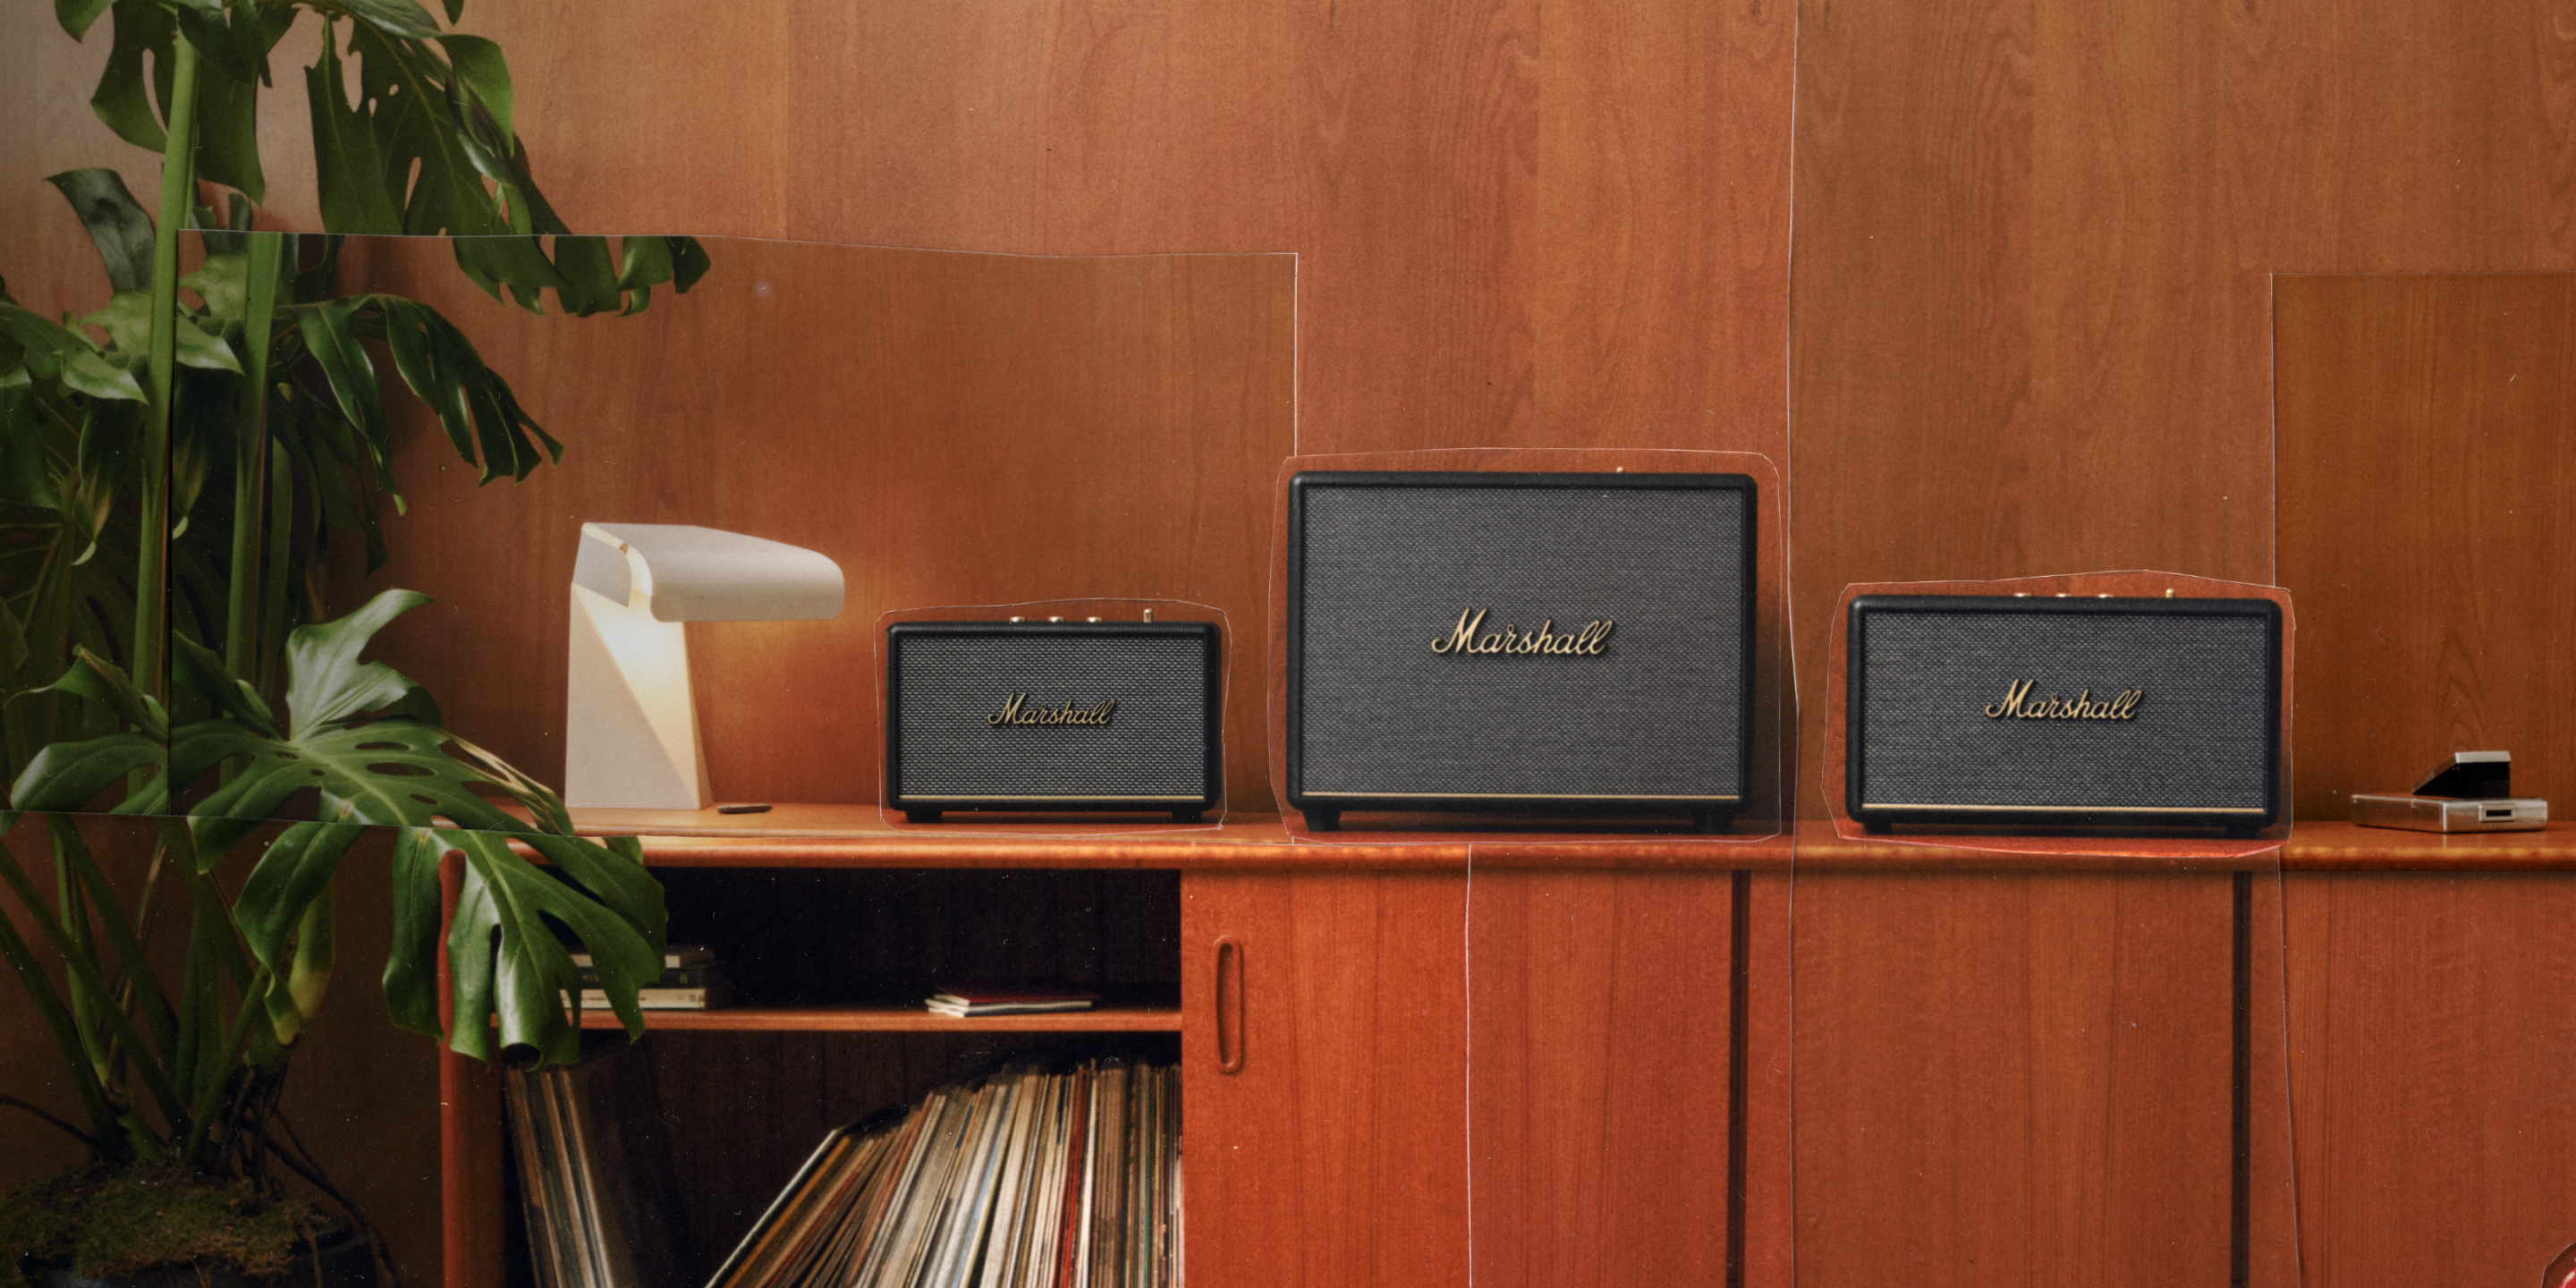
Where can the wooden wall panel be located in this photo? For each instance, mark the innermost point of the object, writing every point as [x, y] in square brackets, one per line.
[2428, 449]
[1521, 222]
[2033, 245]
[2007, 1079]
[1599, 1082]
[2429, 1028]
[952, 429]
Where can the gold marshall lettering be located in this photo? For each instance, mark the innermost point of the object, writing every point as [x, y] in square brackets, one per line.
[2018, 706]
[1463, 640]
[1018, 712]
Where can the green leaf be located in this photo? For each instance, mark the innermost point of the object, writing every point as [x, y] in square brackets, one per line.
[480, 65]
[590, 285]
[77, 15]
[202, 351]
[330, 683]
[127, 319]
[643, 261]
[66, 776]
[105, 683]
[44, 343]
[224, 284]
[196, 668]
[332, 340]
[116, 224]
[689, 262]
[121, 99]
[96, 376]
[349, 170]
[24, 477]
[394, 17]
[296, 870]
[411, 965]
[202, 26]
[228, 116]
[505, 961]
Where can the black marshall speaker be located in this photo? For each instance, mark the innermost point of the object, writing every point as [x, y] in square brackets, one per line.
[1053, 715]
[1533, 643]
[2101, 712]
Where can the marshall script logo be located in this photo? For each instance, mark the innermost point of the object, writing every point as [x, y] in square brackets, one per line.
[1017, 712]
[2017, 705]
[1463, 640]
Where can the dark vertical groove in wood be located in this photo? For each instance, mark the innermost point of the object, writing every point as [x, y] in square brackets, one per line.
[2240, 1187]
[1739, 996]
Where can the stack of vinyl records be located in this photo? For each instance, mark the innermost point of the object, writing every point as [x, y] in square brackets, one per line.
[595, 1180]
[692, 980]
[1026, 1179]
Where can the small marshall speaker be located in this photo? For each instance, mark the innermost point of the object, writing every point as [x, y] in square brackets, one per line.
[1053, 716]
[1534, 643]
[2119, 713]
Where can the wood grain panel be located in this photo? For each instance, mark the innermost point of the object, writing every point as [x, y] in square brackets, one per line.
[2009, 1079]
[1601, 1073]
[1338, 1153]
[1522, 221]
[2428, 1031]
[952, 429]
[2428, 446]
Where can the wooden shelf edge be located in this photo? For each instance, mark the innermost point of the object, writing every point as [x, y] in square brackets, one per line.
[894, 1019]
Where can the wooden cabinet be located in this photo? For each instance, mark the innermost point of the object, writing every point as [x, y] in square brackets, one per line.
[1324, 1071]
[1607, 1065]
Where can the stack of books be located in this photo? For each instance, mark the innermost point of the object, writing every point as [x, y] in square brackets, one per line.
[692, 980]
[1029, 1178]
[1016, 998]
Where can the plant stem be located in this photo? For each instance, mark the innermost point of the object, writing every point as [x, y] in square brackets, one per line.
[250, 464]
[178, 186]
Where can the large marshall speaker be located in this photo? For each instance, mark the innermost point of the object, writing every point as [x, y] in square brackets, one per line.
[1549, 643]
[2102, 712]
[1053, 716]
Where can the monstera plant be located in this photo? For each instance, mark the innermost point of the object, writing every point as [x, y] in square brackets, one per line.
[173, 469]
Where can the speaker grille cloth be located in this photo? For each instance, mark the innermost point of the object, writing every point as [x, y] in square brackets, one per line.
[2196, 742]
[1155, 745]
[1387, 571]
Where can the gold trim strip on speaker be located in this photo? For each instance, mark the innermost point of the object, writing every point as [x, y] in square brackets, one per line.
[1051, 798]
[1507, 796]
[2072, 809]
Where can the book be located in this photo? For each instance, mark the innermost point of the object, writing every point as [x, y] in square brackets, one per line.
[674, 957]
[706, 998]
[671, 977]
[1008, 999]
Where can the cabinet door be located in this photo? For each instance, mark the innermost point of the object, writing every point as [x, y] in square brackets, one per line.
[1603, 1063]
[1324, 1107]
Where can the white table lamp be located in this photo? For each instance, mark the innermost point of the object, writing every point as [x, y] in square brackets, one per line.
[630, 725]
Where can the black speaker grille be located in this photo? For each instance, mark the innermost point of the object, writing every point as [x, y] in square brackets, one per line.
[947, 685]
[2200, 738]
[1386, 570]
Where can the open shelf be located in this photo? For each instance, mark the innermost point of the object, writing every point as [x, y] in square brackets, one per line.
[897, 1019]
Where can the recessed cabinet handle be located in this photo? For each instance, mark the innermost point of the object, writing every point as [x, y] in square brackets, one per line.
[1229, 1006]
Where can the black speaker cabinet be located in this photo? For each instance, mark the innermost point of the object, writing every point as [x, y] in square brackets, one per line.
[1533, 643]
[2100, 713]
[1053, 716]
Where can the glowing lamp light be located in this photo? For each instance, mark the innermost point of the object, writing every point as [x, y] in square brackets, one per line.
[631, 726]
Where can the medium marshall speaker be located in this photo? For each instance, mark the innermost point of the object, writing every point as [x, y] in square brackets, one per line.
[1537, 643]
[2119, 713]
[1053, 716]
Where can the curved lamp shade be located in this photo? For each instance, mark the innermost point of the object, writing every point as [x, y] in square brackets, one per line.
[630, 726]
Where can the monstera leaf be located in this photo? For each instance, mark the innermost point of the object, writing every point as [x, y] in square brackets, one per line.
[360, 738]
